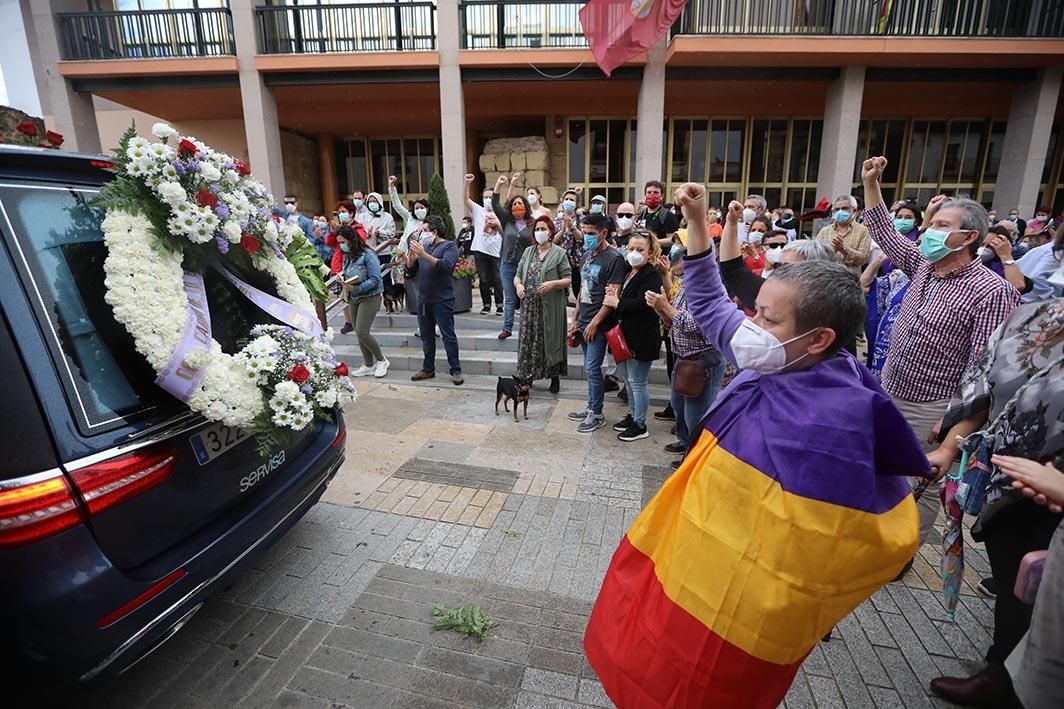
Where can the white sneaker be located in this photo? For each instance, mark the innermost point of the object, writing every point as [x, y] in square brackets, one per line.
[381, 369]
[362, 371]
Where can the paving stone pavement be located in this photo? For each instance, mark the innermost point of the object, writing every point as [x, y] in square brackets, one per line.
[339, 612]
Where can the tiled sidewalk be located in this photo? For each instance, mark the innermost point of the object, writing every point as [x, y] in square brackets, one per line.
[442, 502]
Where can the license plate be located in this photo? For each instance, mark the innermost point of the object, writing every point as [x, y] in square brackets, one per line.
[215, 440]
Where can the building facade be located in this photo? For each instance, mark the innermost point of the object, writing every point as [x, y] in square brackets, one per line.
[779, 97]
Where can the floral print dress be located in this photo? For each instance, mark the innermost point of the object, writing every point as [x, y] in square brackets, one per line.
[1029, 341]
[532, 351]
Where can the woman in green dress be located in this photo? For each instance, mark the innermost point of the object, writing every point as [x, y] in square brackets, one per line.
[543, 275]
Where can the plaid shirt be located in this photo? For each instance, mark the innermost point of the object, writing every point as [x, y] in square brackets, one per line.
[945, 320]
[687, 337]
[574, 248]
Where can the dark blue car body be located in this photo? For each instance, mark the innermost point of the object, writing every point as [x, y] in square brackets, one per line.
[112, 584]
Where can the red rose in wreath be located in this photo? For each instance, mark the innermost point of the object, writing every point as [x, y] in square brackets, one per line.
[249, 244]
[341, 369]
[241, 167]
[299, 374]
[54, 138]
[27, 128]
[186, 147]
[206, 198]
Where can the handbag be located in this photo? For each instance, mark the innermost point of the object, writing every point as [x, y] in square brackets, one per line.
[618, 345]
[1029, 577]
[689, 377]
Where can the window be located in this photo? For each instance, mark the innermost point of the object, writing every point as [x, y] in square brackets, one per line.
[602, 158]
[369, 162]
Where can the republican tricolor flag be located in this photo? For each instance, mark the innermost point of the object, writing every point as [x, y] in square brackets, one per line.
[790, 510]
[619, 30]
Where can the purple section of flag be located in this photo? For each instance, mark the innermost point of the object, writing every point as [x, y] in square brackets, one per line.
[828, 433]
[178, 378]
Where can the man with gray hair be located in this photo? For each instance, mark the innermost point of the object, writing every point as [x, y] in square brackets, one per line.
[790, 509]
[846, 235]
[952, 306]
[753, 207]
[744, 284]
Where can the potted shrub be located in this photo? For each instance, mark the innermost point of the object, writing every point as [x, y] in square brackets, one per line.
[464, 271]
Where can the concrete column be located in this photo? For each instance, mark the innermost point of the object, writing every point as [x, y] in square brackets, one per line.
[1023, 155]
[16, 60]
[261, 128]
[649, 141]
[842, 122]
[330, 192]
[452, 106]
[72, 113]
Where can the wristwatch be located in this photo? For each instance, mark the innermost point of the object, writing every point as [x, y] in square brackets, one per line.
[1010, 262]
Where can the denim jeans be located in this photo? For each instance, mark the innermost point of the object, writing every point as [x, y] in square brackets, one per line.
[429, 315]
[594, 352]
[509, 293]
[690, 409]
[637, 372]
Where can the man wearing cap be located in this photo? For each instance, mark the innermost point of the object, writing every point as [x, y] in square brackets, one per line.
[598, 206]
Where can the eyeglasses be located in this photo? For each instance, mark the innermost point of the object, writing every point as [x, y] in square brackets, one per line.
[289, 201]
[622, 215]
[775, 246]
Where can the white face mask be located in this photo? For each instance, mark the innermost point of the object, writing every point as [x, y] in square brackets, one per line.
[773, 255]
[542, 235]
[624, 223]
[533, 198]
[748, 215]
[427, 238]
[635, 259]
[487, 203]
[1042, 218]
[421, 212]
[985, 253]
[758, 349]
[291, 207]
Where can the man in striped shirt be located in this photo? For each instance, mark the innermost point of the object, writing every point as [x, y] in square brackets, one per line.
[953, 304]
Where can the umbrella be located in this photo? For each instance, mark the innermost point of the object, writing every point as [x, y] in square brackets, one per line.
[952, 564]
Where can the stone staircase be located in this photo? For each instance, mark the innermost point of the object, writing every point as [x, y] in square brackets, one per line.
[480, 349]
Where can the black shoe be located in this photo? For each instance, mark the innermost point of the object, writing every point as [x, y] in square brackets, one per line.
[622, 394]
[555, 385]
[624, 423]
[677, 463]
[486, 310]
[498, 310]
[987, 587]
[609, 383]
[666, 414]
[633, 433]
[676, 447]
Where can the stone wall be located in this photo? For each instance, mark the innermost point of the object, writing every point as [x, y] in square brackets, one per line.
[302, 172]
[528, 155]
[559, 152]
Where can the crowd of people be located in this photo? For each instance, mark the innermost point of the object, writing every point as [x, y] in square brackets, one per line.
[960, 323]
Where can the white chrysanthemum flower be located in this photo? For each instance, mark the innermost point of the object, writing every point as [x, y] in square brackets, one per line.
[172, 192]
[232, 230]
[160, 151]
[209, 172]
[163, 131]
[167, 173]
[136, 168]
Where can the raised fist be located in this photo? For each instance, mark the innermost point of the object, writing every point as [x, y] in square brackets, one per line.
[735, 212]
[392, 180]
[872, 170]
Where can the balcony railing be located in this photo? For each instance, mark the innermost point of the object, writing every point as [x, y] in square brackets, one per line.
[362, 27]
[487, 24]
[139, 34]
[899, 18]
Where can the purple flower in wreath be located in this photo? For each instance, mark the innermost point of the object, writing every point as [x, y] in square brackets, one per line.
[221, 210]
[256, 331]
[179, 167]
[307, 389]
[223, 243]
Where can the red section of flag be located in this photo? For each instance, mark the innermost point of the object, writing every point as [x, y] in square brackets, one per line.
[650, 652]
[619, 30]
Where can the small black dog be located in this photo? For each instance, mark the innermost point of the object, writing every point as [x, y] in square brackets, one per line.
[512, 388]
[395, 298]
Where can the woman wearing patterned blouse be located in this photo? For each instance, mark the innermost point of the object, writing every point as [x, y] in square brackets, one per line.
[1018, 387]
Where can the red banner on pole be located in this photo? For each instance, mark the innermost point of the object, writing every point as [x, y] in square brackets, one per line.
[618, 30]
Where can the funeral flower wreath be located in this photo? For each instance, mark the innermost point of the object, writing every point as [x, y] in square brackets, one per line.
[176, 209]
